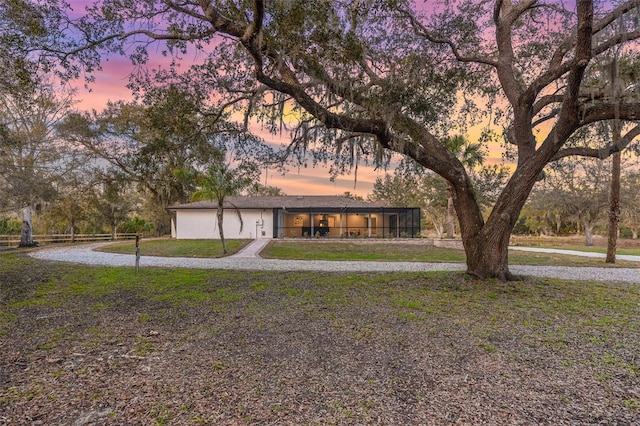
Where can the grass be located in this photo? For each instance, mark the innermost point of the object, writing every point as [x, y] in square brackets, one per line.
[348, 251]
[439, 293]
[241, 324]
[625, 251]
[624, 245]
[484, 308]
[357, 251]
[178, 248]
[592, 249]
[414, 253]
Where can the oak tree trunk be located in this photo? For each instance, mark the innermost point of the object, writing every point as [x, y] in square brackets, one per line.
[488, 253]
[486, 244]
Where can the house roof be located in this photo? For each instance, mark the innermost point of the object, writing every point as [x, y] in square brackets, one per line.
[282, 202]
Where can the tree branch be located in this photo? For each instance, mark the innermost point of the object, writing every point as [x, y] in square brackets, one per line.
[252, 32]
[568, 117]
[609, 111]
[622, 9]
[331, 120]
[422, 31]
[557, 68]
[121, 36]
[545, 101]
[601, 153]
[313, 69]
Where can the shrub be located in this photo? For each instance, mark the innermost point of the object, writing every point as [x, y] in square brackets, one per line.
[10, 226]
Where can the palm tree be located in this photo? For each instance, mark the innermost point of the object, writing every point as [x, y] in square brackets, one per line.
[471, 155]
[216, 184]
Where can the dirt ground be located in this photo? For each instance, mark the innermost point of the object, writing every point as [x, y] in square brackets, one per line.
[321, 349]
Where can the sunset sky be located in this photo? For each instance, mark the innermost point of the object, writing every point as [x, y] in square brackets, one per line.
[110, 85]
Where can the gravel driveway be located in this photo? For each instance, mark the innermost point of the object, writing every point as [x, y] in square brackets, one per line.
[248, 259]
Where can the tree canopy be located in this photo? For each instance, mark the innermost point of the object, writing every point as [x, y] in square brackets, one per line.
[159, 142]
[32, 157]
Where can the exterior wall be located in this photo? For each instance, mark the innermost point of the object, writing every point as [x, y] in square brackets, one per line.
[196, 224]
[257, 224]
[203, 224]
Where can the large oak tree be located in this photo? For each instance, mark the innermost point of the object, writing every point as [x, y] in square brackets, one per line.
[369, 77]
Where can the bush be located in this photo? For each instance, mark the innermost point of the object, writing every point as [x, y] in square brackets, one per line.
[10, 226]
[136, 225]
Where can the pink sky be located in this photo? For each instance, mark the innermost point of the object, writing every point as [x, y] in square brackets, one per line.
[110, 85]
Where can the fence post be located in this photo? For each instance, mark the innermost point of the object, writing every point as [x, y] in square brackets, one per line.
[137, 253]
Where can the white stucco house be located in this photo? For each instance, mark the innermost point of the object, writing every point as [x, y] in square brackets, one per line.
[294, 216]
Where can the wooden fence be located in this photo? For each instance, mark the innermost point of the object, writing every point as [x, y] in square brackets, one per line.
[14, 240]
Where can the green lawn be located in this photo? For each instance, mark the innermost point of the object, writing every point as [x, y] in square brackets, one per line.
[592, 249]
[382, 250]
[413, 252]
[378, 250]
[624, 245]
[627, 251]
[177, 248]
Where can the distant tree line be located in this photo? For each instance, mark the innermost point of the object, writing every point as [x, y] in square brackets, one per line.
[571, 199]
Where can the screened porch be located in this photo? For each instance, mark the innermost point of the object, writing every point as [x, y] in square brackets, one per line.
[347, 223]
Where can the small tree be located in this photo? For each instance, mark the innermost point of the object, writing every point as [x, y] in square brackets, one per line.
[576, 190]
[409, 188]
[9, 225]
[137, 225]
[348, 194]
[257, 189]
[114, 201]
[435, 207]
[216, 184]
[630, 203]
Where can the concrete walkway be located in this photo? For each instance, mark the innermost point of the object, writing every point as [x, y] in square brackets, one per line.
[253, 249]
[249, 259]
